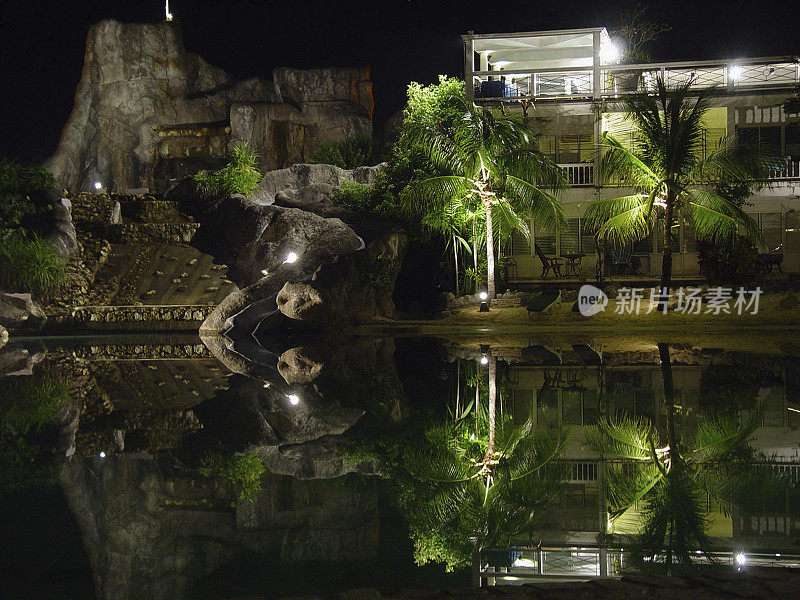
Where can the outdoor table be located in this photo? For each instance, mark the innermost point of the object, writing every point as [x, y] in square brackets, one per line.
[573, 264]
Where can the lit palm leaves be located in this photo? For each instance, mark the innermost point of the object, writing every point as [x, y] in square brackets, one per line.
[666, 162]
[673, 484]
[458, 492]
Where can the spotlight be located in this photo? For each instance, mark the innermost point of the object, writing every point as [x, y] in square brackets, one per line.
[291, 257]
[484, 360]
[98, 185]
[294, 399]
[266, 385]
[741, 559]
[264, 272]
[735, 72]
[484, 304]
[102, 455]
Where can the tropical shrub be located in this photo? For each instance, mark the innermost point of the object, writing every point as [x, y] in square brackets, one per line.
[30, 265]
[240, 176]
[24, 201]
[27, 406]
[359, 151]
[732, 263]
[243, 470]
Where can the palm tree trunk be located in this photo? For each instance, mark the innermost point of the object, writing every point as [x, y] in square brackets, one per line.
[490, 290]
[492, 403]
[455, 261]
[669, 396]
[666, 258]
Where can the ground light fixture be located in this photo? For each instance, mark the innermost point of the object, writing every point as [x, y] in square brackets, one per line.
[484, 304]
[484, 360]
[98, 186]
[291, 258]
[741, 559]
[102, 455]
[735, 72]
[294, 399]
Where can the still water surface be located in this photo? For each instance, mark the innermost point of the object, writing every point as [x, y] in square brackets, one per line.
[152, 467]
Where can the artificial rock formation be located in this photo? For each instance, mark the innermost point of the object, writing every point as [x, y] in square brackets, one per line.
[152, 530]
[146, 111]
[20, 313]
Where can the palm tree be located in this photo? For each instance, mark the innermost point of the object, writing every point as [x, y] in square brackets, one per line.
[667, 167]
[456, 496]
[491, 161]
[672, 479]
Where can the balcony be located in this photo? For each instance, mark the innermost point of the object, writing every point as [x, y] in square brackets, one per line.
[578, 65]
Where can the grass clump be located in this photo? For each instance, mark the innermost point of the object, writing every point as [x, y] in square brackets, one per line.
[244, 471]
[31, 265]
[358, 151]
[240, 176]
[27, 407]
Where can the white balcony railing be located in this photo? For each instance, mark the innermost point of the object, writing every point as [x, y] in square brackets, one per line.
[790, 171]
[579, 174]
[613, 81]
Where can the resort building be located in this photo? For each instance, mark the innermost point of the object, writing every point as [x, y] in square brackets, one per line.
[565, 84]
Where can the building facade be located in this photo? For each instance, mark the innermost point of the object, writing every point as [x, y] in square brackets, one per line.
[565, 84]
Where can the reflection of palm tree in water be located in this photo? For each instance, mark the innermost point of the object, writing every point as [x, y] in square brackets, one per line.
[673, 481]
[478, 481]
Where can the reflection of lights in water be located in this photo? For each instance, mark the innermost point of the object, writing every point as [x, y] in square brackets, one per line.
[483, 296]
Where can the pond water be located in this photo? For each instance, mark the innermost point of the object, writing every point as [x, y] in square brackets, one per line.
[156, 466]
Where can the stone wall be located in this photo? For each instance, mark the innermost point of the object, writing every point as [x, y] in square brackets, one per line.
[147, 112]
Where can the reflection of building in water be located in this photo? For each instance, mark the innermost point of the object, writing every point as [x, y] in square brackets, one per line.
[576, 396]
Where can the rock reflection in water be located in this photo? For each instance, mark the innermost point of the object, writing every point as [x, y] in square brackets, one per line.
[153, 527]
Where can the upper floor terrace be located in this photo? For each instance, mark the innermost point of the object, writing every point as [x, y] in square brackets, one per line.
[581, 65]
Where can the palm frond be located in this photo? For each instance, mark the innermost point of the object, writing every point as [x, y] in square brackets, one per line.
[625, 437]
[433, 193]
[622, 220]
[717, 219]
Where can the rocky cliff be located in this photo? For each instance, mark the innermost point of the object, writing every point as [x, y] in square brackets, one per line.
[152, 530]
[147, 111]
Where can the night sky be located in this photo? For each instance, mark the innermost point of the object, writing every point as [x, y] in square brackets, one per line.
[43, 42]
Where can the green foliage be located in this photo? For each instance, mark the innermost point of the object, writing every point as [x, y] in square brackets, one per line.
[727, 263]
[239, 176]
[30, 403]
[27, 406]
[456, 492]
[243, 470]
[671, 482]
[30, 265]
[24, 202]
[359, 151]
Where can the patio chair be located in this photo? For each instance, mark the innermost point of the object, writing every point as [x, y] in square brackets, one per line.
[549, 263]
[544, 303]
[621, 261]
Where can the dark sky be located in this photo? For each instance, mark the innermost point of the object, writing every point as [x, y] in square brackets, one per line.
[401, 40]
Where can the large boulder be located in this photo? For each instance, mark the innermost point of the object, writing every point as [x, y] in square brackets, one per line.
[146, 111]
[3, 336]
[20, 313]
[355, 289]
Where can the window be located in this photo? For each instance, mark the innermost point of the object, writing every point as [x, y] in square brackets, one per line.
[767, 138]
[547, 405]
[575, 148]
[570, 240]
[520, 245]
[546, 240]
[793, 139]
[588, 243]
[571, 410]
